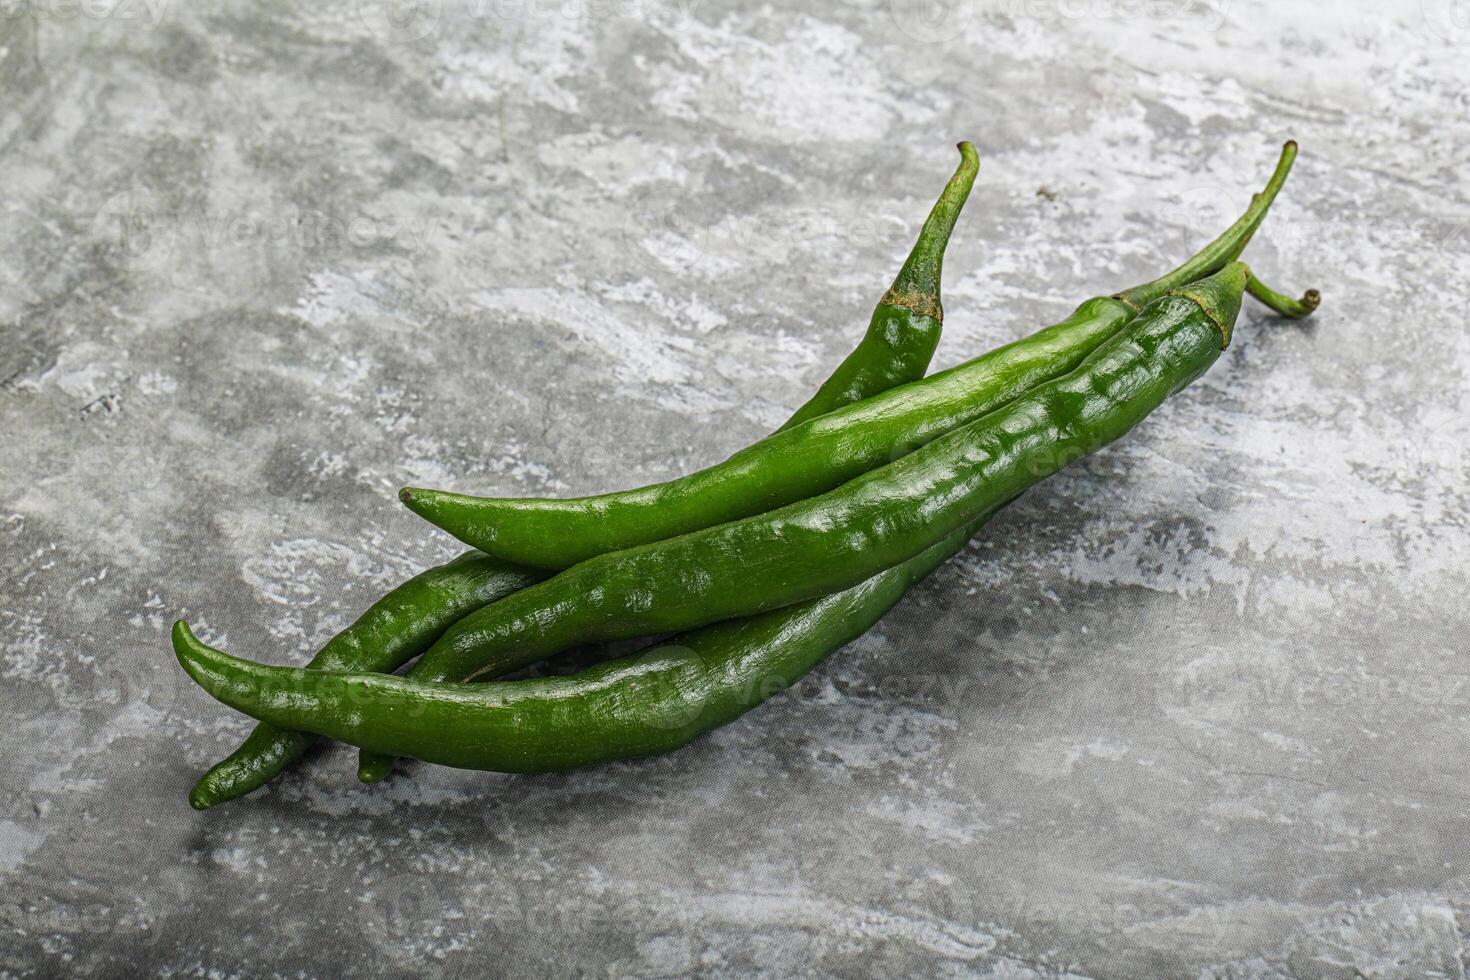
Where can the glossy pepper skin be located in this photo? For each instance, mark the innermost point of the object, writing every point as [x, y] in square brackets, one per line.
[822, 453]
[405, 622]
[927, 410]
[904, 331]
[394, 630]
[646, 704]
[831, 542]
[897, 348]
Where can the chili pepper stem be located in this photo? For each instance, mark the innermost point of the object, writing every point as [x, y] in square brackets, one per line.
[916, 287]
[1227, 248]
[905, 327]
[1286, 306]
[1220, 297]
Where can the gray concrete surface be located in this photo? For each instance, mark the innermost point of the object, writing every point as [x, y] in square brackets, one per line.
[1196, 707]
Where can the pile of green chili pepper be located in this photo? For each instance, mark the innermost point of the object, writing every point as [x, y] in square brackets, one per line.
[757, 568]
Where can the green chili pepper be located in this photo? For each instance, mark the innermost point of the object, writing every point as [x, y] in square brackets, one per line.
[646, 704]
[405, 622]
[833, 541]
[819, 454]
[1296, 309]
[658, 701]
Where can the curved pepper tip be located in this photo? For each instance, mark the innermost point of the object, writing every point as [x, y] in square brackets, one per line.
[373, 772]
[196, 656]
[416, 499]
[187, 648]
[424, 503]
[183, 637]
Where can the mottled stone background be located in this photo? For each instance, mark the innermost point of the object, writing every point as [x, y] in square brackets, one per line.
[1195, 707]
